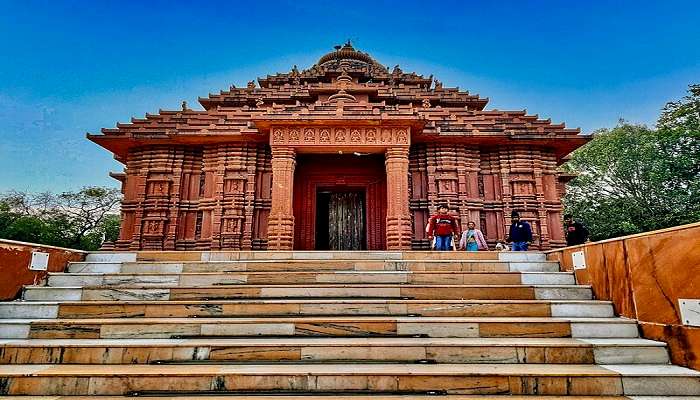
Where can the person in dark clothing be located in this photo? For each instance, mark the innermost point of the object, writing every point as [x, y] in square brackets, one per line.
[443, 227]
[520, 233]
[576, 232]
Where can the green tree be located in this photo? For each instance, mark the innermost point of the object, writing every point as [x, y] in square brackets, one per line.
[80, 220]
[634, 179]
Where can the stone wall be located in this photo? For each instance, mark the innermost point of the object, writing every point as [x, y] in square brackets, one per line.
[196, 197]
[14, 265]
[644, 275]
[484, 185]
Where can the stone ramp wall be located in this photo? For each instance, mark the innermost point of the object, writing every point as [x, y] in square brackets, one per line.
[14, 264]
[645, 275]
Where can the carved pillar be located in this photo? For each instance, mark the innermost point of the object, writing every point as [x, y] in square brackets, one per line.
[280, 228]
[398, 217]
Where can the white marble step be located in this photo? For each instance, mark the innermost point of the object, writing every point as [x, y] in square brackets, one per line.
[308, 265]
[613, 379]
[45, 293]
[329, 255]
[462, 327]
[111, 256]
[558, 308]
[500, 350]
[233, 278]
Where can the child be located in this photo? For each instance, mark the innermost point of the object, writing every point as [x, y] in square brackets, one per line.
[443, 227]
[473, 239]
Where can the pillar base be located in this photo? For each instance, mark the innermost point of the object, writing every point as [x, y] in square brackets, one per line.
[280, 232]
[398, 233]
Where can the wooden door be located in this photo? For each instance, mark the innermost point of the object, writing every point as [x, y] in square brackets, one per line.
[346, 221]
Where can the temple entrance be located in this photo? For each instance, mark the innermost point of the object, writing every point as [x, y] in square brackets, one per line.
[340, 202]
[340, 220]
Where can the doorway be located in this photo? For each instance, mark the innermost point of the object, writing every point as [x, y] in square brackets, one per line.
[317, 173]
[340, 220]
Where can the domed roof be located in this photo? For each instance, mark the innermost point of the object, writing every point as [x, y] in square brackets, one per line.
[346, 52]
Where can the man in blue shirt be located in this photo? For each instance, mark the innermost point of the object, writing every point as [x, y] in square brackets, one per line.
[520, 233]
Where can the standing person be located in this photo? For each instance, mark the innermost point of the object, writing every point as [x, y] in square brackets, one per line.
[443, 227]
[520, 233]
[473, 239]
[576, 232]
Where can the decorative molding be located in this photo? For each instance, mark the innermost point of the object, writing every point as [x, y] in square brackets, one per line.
[339, 136]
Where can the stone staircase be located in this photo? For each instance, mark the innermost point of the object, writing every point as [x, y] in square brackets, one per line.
[273, 325]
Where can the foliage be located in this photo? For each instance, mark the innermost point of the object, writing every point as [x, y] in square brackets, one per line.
[634, 179]
[80, 220]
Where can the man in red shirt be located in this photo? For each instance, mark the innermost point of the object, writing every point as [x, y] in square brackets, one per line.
[443, 227]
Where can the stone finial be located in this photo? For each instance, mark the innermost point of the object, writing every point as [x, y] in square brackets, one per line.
[426, 103]
[295, 70]
[251, 85]
[184, 106]
[438, 84]
[397, 70]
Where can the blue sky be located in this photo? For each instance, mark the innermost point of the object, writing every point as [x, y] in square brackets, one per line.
[71, 67]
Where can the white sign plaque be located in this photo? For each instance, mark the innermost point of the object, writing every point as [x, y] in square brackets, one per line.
[40, 261]
[579, 260]
[690, 311]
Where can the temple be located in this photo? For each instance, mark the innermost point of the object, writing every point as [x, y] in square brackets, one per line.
[345, 155]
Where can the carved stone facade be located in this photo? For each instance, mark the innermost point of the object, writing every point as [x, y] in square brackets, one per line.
[243, 173]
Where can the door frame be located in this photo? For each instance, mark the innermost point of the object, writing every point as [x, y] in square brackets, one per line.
[368, 176]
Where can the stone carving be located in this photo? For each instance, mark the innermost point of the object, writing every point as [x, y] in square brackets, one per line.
[386, 135]
[278, 136]
[401, 137]
[309, 135]
[371, 136]
[294, 135]
[357, 136]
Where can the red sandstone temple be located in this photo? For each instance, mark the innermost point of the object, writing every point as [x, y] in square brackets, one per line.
[345, 155]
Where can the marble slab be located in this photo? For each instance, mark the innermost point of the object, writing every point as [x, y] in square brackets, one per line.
[589, 309]
[94, 267]
[542, 278]
[521, 256]
[28, 310]
[563, 293]
[38, 293]
[110, 256]
[603, 330]
[14, 330]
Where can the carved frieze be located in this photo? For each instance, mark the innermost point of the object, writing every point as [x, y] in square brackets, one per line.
[339, 136]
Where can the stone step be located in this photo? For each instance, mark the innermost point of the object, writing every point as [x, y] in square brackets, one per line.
[246, 308]
[289, 277]
[327, 255]
[175, 267]
[316, 350]
[539, 379]
[432, 292]
[340, 396]
[113, 328]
